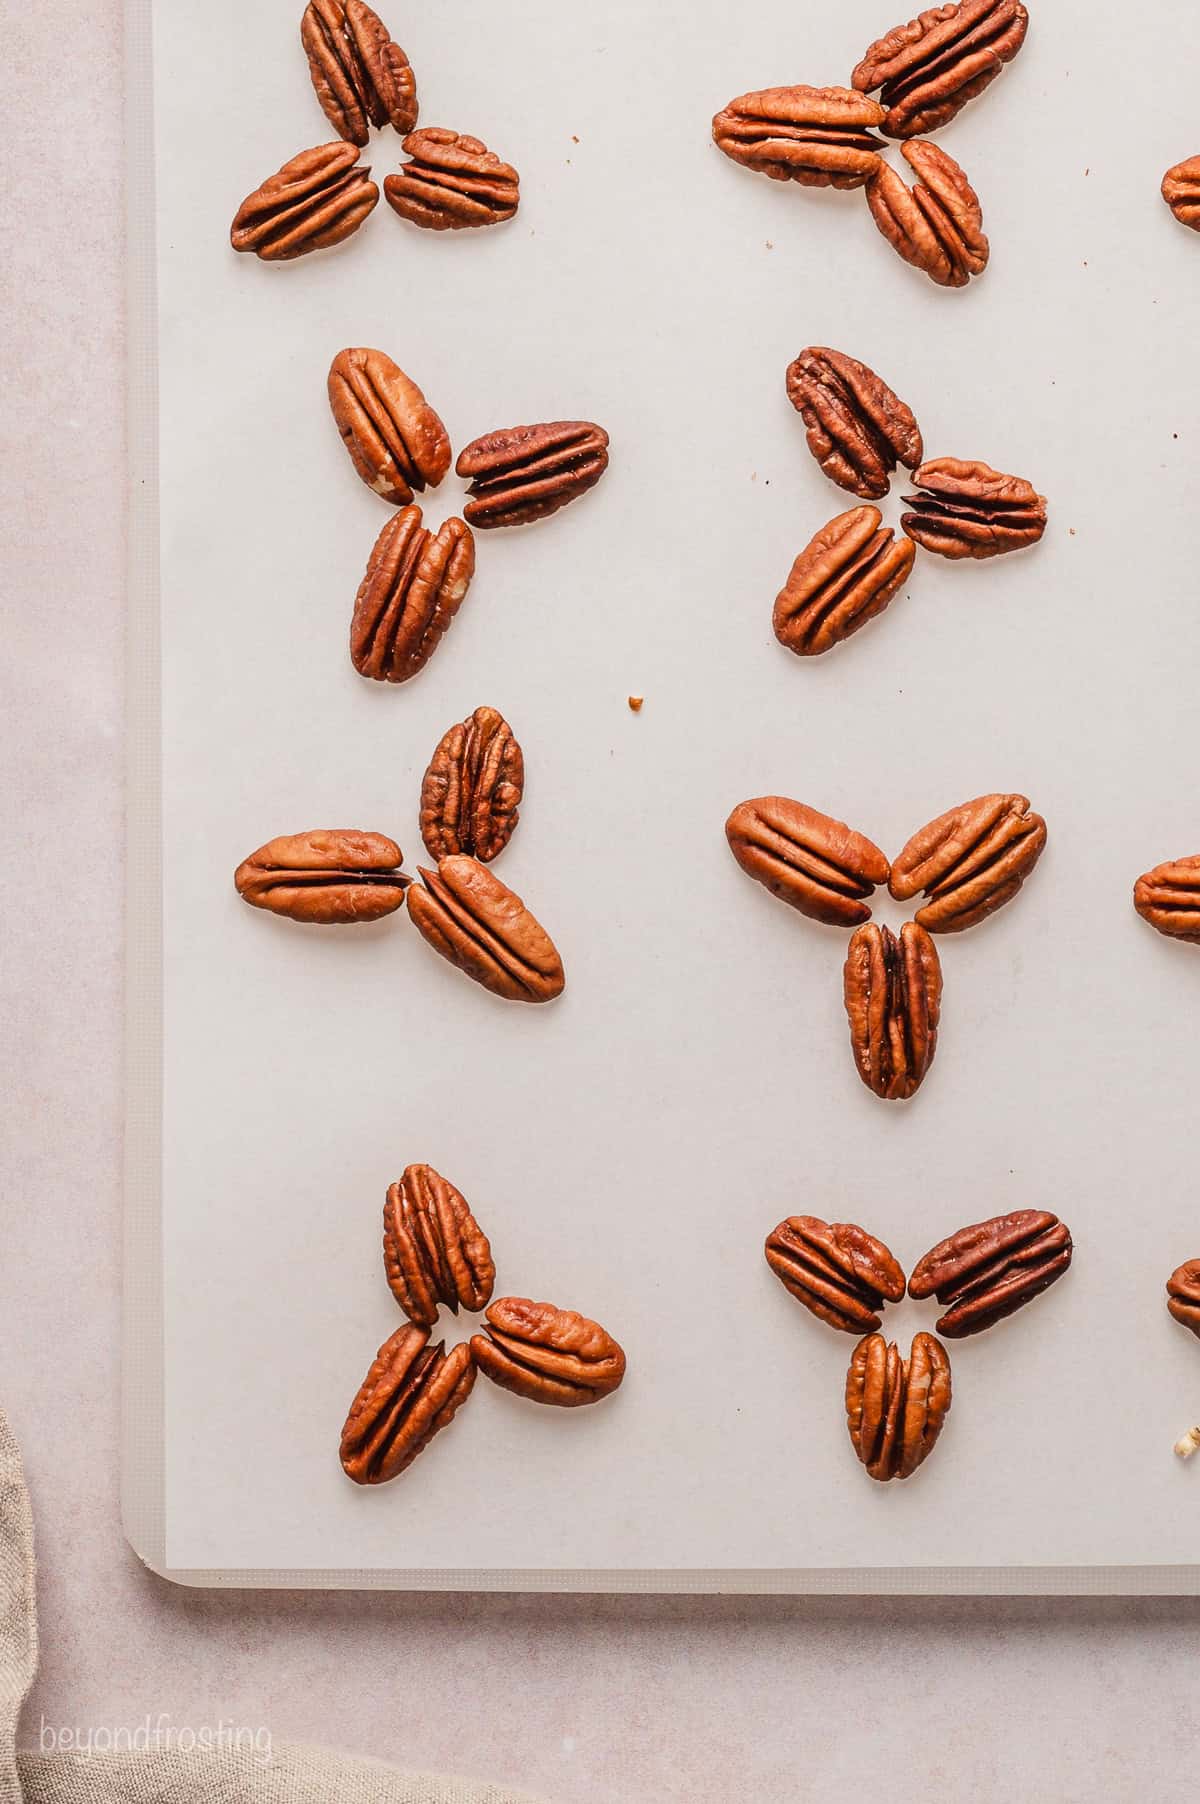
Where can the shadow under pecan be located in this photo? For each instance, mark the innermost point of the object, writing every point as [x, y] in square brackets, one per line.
[969, 510]
[477, 923]
[394, 438]
[434, 1251]
[937, 225]
[316, 200]
[990, 1270]
[1183, 1294]
[1181, 191]
[810, 861]
[415, 583]
[819, 137]
[328, 877]
[411, 1392]
[836, 1269]
[893, 995]
[1168, 897]
[526, 473]
[844, 577]
[930, 68]
[471, 792]
[546, 1354]
[452, 182]
[360, 76]
[970, 861]
[896, 1409]
[858, 428]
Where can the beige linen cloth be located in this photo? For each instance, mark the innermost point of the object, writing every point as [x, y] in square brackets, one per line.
[292, 1775]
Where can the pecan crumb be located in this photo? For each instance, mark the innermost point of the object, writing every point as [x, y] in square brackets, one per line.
[1189, 1443]
[635, 703]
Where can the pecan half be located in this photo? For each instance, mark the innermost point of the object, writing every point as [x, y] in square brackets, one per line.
[992, 1269]
[547, 1354]
[434, 1251]
[315, 201]
[1183, 1294]
[810, 861]
[328, 877]
[895, 1410]
[414, 586]
[970, 861]
[837, 1270]
[858, 429]
[819, 137]
[1181, 191]
[411, 1392]
[1169, 898]
[471, 793]
[360, 76]
[930, 68]
[937, 225]
[451, 182]
[528, 472]
[395, 440]
[893, 992]
[476, 922]
[971, 510]
[843, 578]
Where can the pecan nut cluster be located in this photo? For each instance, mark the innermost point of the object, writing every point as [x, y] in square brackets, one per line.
[896, 1408]
[966, 864]
[436, 1255]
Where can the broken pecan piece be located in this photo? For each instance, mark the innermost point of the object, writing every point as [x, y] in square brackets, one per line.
[546, 1354]
[471, 793]
[810, 861]
[937, 225]
[819, 137]
[837, 1270]
[314, 201]
[930, 68]
[990, 1270]
[475, 921]
[895, 1410]
[1168, 897]
[893, 993]
[411, 1392]
[1183, 1294]
[434, 1251]
[844, 577]
[327, 876]
[970, 861]
[414, 586]
[528, 472]
[1181, 191]
[858, 429]
[451, 182]
[360, 76]
[971, 510]
[395, 440]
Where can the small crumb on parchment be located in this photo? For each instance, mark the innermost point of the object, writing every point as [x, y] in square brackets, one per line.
[635, 703]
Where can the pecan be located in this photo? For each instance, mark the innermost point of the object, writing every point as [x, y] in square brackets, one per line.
[1183, 1294]
[476, 922]
[837, 1270]
[327, 876]
[413, 588]
[452, 181]
[360, 76]
[937, 225]
[546, 1354]
[970, 861]
[396, 441]
[893, 990]
[895, 1410]
[971, 510]
[820, 137]
[858, 430]
[992, 1269]
[411, 1391]
[1181, 191]
[315, 201]
[930, 68]
[528, 472]
[1169, 898]
[844, 577]
[810, 861]
[434, 1251]
[471, 793]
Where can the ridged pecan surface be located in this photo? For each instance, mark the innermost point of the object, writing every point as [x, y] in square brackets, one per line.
[475, 921]
[414, 586]
[313, 202]
[969, 510]
[930, 68]
[858, 428]
[893, 994]
[896, 1409]
[836, 1269]
[525, 473]
[395, 440]
[1183, 1294]
[411, 1392]
[546, 1354]
[970, 861]
[434, 1251]
[1181, 191]
[937, 225]
[452, 181]
[471, 793]
[329, 877]
[1168, 897]
[360, 76]
[988, 1271]
[844, 577]
[810, 861]
[819, 137]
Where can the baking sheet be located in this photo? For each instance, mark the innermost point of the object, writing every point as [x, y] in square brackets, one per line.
[628, 1148]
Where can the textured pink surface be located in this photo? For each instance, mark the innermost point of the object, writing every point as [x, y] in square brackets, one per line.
[591, 1700]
